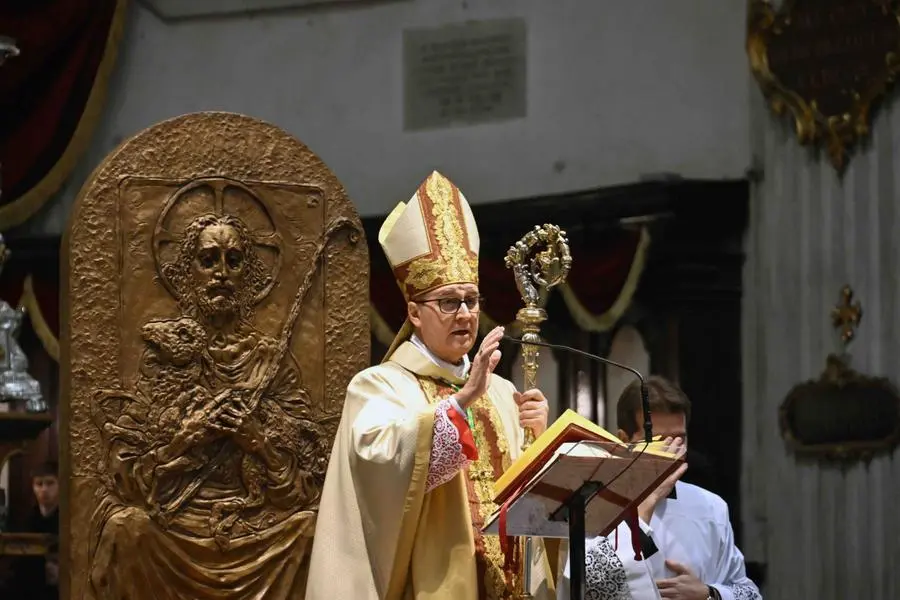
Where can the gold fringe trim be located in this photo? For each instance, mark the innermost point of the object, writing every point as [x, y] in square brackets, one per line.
[29, 302]
[607, 320]
[23, 208]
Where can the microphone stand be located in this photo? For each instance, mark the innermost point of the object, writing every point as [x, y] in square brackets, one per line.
[645, 397]
[575, 508]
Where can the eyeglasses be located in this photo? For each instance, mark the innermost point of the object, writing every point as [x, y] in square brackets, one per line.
[451, 306]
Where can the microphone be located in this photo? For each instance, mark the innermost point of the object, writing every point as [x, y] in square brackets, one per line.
[645, 397]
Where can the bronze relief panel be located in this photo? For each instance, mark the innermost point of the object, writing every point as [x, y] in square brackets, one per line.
[216, 315]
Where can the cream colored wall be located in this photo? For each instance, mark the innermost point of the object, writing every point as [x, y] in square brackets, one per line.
[616, 90]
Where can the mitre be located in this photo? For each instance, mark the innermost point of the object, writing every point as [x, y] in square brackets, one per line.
[430, 241]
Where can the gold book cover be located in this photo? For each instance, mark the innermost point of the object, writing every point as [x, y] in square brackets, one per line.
[569, 427]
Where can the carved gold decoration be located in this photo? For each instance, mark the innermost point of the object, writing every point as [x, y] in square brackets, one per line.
[540, 261]
[26, 544]
[846, 316]
[213, 316]
[828, 62]
[536, 271]
[844, 415]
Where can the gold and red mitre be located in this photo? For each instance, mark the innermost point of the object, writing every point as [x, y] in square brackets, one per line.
[430, 241]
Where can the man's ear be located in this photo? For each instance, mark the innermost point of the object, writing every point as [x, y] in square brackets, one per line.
[412, 312]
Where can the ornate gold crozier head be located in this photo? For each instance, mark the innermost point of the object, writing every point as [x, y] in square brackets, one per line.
[430, 241]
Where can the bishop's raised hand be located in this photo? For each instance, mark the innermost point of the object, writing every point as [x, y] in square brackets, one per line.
[483, 366]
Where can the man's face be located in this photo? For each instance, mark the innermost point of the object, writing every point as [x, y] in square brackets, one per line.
[672, 425]
[449, 336]
[46, 490]
[218, 269]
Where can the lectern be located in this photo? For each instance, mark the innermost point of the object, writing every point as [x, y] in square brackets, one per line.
[584, 489]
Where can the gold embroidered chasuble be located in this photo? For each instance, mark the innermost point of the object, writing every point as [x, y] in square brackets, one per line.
[379, 534]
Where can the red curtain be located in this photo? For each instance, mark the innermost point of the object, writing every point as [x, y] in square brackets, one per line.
[601, 267]
[51, 94]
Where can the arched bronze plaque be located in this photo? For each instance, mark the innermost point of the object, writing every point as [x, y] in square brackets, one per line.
[215, 308]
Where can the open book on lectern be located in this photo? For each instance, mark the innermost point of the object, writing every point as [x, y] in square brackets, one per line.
[574, 452]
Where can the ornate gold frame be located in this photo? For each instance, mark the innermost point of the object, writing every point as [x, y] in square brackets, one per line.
[836, 132]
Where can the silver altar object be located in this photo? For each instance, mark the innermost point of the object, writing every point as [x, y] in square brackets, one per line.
[15, 381]
[8, 48]
[16, 384]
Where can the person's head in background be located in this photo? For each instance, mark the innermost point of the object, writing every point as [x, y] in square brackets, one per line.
[45, 484]
[670, 410]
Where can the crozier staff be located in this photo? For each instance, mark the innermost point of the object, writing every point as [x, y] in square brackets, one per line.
[424, 435]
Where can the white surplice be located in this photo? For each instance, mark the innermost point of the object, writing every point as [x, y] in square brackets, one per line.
[692, 529]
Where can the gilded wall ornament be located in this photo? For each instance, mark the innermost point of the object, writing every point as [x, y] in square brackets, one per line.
[827, 63]
[843, 415]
